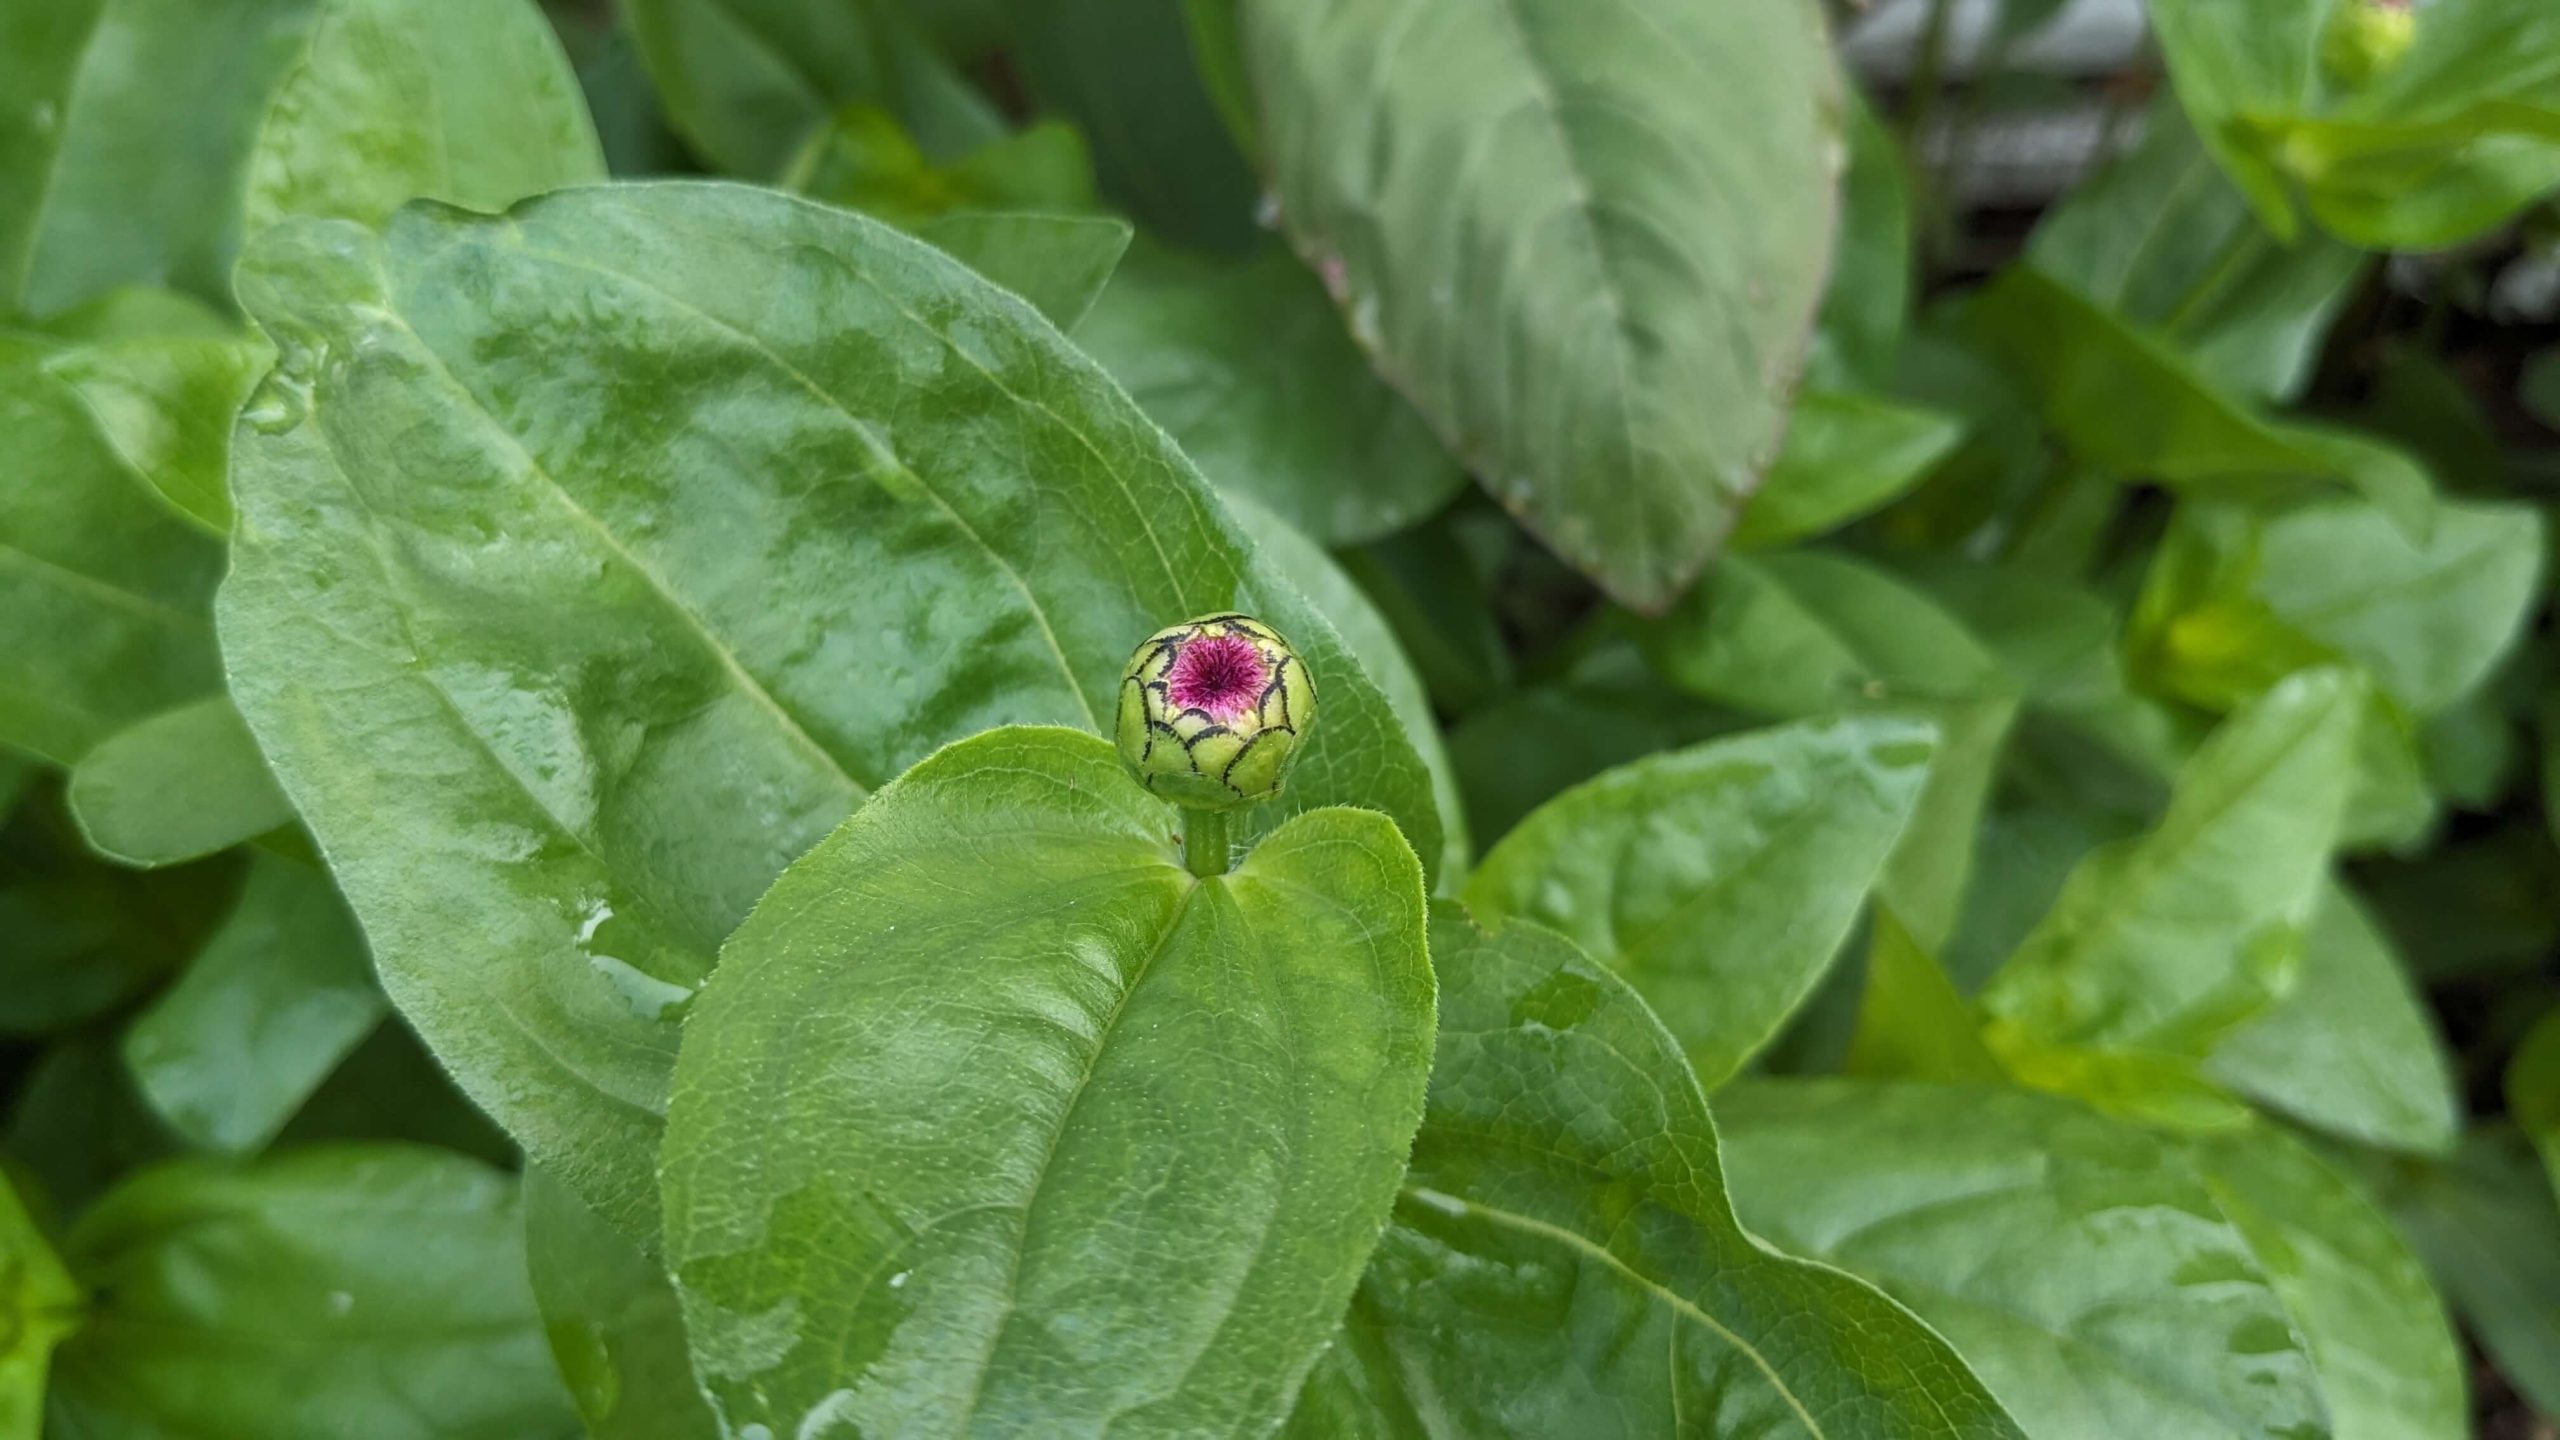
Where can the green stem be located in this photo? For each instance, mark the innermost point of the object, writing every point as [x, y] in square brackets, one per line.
[1204, 842]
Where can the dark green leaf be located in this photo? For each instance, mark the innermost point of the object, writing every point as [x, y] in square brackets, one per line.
[178, 786]
[595, 561]
[1719, 880]
[83, 937]
[78, 1126]
[2077, 1263]
[265, 1011]
[2533, 1090]
[1869, 302]
[2485, 1224]
[1126, 1137]
[1588, 242]
[1060, 263]
[612, 1320]
[1564, 1261]
[1249, 367]
[387, 1282]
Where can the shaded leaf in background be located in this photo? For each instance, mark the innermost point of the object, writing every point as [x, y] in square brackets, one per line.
[390, 1088]
[1123, 70]
[1588, 243]
[2129, 404]
[1130, 1134]
[2389, 1366]
[2167, 941]
[1564, 1261]
[84, 936]
[1869, 301]
[748, 83]
[78, 1124]
[165, 406]
[1845, 455]
[39, 1305]
[465, 101]
[1533, 744]
[2077, 1263]
[864, 160]
[540, 605]
[2485, 1223]
[178, 786]
[1913, 1023]
[1060, 263]
[214, 1282]
[1249, 367]
[611, 1316]
[1722, 879]
[2352, 1049]
[275, 999]
[1436, 588]
[2533, 1091]
[2239, 597]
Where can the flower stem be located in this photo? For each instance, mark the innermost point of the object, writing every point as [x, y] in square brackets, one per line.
[1204, 842]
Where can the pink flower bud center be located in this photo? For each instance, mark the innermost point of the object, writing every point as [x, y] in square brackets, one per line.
[1221, 674]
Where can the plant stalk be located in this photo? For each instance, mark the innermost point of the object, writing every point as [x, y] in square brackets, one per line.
[1205, 846]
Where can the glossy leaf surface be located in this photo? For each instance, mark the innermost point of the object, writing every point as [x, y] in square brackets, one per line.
[1127, 1136]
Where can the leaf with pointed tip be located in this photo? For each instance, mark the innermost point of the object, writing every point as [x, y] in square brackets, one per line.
[1719, 880]
[1124, 1136]
[595, 560]
[1564, 1261]
[178, 786]
[1587, 241]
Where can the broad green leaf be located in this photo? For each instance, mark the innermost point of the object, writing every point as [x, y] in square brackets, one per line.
[2352, 1050]
[2389, 1366]
[2126, 402]
[166, 405]
[1125, 1137]
[2533, 1091]
[82, 936]
[1869, 303]
[1813, 633]
[2447, 143]
[1564, 1261]
[1719, 880]
[39, 1305]
[610, 1315]
[2079, 1264]
[2167, 941]
[126, 139]
[103, 590]
[1367, 635]
[1846, 455]
[359, 1290]
[178, 786]
[2485, 1223]
[465, 101]
[2240, 596]
[574, 599]
[1249, 367]
[1060, 263]
[749, 83]
[2164, 241]
[865, 160]
[1123, 71]
[1588, 242]
[264, 1012]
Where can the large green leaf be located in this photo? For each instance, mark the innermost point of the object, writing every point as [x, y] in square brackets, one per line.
[1251, 370]
[2352, 1050]
[2166, 941]
[2079, 1264]
[39, 1305]
[595, 561]
[265, 1011]
[1093, 1145]
[2126, 402]
[2389, 1366]
[1587, 241]
[103, 590]
[1719, 880]
[2240, 596]
[125, 133]
[359, 1290]
[1564, 1261]
[2449, 141]
[178, 786]
[466, 101]
[748, 83]
[165, 404]
[612, 1319]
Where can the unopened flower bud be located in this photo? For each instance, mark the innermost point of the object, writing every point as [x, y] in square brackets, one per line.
[2366, 39]
[1213, 711]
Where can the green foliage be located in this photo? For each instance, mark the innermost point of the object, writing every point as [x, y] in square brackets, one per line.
[567, 579]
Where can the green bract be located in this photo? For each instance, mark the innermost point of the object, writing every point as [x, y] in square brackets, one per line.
[1212, 710]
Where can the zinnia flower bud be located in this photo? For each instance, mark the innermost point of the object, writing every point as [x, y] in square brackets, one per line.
[1212, 712]
[2367, 38]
